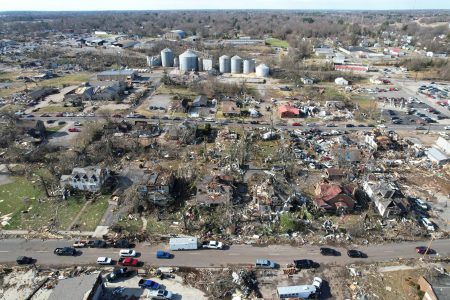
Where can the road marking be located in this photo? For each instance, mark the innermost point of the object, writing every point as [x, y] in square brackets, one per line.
[4, 251]
[42, 251]
[233, 254]
[194, 253]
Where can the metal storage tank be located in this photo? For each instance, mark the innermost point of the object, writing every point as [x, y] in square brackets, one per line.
[176, 62]
[200, 64]
[224, 64]
[167, 58]
[249, 66]
[188, 61]
[262, 70]
[236, 65]
[153, 61]
[207, 64]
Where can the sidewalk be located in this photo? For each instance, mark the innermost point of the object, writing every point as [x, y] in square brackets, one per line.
[60, 232]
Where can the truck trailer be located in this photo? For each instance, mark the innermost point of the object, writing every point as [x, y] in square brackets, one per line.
[184, 243]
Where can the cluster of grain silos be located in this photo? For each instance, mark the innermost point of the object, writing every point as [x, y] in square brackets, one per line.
[208, 64]
[262, 70]
[188, 61]
[224, 64]
[167, 58]
[249, 66]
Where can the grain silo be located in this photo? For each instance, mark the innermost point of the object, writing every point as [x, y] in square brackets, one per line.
[262, 70]
[167, 58]
[188, 61]
[153, 61]
[224, 64]
[207, 64]
[236, 65]
[200, 64]
[176, 62]
[249, 66]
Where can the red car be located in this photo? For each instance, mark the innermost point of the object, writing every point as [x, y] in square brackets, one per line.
[424, 250]
[117, 116]
[59, 115]
[128, 261]
[74, 130]
[296, 124]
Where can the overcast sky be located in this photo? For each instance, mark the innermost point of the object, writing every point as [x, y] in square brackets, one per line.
[219, 4]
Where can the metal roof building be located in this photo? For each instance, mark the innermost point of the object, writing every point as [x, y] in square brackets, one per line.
[120, 75]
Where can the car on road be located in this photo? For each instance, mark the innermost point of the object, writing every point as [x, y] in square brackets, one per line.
[119, 273]
[127, 253]
[447, 128]
[356, 254]
[163, 254]
[149, 284]
[296, 124]
[65, 251]
[330, 125]
[79, 244]
[102, 260]
[265, 264]
[349, 125]
[424, 250]
[73, 129]
[122, 244]
[161, 295]
[97, 244]
[24, 260]
[45, 115]
[77, 124]
[59, 115]
[305, 264]
[212, 245]
[61, 122]
[329, 252]
[128, 261]
[51, 121]
[420, 128]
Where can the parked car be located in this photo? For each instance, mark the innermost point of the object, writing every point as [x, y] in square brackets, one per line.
[420, 128]
[127, 253]
[161, 295]
[329, 252]
[422, 204]
[45, 115]
[427, 224]
[424, 250]
[104, 260]
[212, 245]
[149, 284]
[296, 124]
[24, 260]
[74, 129]
[117, 116]
[123, 244]
[79, 244]
[265, 264]
[97, 244]
[128, 261]
[65, 251]
[119, 273]
[305, 264]
[349, 125]
[61, 122]
[77, 124]
[163, 254]
[356, 254]
[51, 121]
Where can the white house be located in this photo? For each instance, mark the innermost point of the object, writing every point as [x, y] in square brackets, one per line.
[89, 179]
[341, 81]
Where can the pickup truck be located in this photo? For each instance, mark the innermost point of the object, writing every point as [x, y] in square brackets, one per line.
[119, 273]
[305, 264]
[128, 261]
[149, 284]
[212, 245]
[66, 251]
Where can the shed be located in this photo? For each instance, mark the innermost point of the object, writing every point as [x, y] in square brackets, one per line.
[200, 101]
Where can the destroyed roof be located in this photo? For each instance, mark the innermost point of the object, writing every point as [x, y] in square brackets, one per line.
[230, 107]
[335, 172]
[288, 108]
[159, 177]
[81, 287]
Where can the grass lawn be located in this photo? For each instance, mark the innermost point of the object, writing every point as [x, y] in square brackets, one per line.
[131, 225]
[277, 43]
[57, 108]
[93, 213]
[159, 227]
[65, 80]
[163, 89]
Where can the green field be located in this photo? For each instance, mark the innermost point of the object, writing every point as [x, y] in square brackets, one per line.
[70, 79]
[20, 200]
[277, 43]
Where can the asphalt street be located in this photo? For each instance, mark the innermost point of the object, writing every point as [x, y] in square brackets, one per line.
[235, 254]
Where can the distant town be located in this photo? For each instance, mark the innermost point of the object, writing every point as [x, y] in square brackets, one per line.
[225, 155]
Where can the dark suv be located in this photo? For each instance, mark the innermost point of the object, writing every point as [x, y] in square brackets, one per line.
[305, 264]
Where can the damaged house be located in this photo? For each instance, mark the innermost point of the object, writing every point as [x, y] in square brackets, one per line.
[269, 196]
[386, 197]
[335, 198]
[215, 190]
[183, 132]
[89, 179]
[157, 186]
[101, 91]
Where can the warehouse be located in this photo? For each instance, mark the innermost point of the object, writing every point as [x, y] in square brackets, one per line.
[117, 75]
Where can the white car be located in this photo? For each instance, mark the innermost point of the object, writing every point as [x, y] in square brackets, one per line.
[447, 127]
[422, 204]
[104, 260]
[127, 253]
[428, 225]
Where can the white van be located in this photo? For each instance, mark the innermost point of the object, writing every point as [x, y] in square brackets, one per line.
[127, 253]
[104, 260]
[428, 225]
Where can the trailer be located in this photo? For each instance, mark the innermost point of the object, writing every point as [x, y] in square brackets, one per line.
[184, 243]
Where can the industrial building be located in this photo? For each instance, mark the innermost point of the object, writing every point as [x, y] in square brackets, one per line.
[117, 75]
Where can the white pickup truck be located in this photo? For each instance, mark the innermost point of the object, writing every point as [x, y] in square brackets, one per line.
[212, 245]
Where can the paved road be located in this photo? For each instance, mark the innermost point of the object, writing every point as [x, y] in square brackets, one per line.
[433, 127]
[236, 254]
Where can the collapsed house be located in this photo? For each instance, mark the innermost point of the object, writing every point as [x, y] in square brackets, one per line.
[272, 196]
[183, 132]
[156, 187]
[386, 197]
[215, 190]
